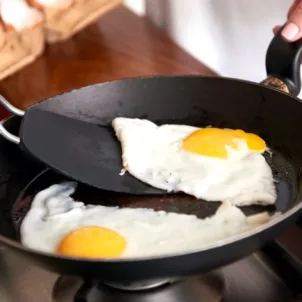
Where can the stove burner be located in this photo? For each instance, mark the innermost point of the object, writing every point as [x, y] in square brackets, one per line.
[208, 287]
[140, 285]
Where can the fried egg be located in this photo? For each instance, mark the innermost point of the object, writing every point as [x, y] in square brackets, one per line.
[58, 224]
[209, 163]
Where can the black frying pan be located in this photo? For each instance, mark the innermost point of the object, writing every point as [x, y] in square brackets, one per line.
[192, 100]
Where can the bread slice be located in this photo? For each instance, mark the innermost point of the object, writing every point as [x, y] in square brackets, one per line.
[63, 22]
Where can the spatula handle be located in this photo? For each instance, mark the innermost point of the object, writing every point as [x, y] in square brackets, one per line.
[7, 135]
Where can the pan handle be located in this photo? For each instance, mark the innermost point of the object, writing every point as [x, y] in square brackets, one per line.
[7, 135]
[282, 62]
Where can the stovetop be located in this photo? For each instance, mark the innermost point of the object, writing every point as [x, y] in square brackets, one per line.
[253, 278]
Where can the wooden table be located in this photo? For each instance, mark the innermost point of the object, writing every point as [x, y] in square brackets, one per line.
[120, 45]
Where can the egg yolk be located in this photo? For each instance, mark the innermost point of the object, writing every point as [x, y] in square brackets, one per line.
[212, 141]
[92, 242]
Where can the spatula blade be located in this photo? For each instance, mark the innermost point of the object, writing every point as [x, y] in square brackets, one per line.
[86, 152]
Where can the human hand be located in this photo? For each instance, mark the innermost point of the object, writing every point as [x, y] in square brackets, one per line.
[293, 29]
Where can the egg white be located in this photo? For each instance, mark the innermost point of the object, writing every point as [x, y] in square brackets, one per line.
[154, 154]
[53, 214]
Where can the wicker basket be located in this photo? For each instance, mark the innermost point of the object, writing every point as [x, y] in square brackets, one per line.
[62, 23]
[21, 46]
[21, 40]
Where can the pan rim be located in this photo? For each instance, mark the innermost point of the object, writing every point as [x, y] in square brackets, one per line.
[166, 76]
[10, 243]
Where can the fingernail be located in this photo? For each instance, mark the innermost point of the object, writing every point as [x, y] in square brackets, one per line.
[290, 31]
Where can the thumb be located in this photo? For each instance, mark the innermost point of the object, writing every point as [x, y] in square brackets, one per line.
[293, 29]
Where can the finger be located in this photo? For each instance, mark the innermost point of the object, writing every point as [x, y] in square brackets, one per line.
[276, 29]
[293, 29]
[292, 8]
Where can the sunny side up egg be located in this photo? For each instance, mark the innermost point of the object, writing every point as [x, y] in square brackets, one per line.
[209, 163]
[58, 224]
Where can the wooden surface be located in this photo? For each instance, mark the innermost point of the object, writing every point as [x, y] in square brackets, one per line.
[120, 45]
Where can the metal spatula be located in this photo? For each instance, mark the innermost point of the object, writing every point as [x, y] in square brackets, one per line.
[86, 152]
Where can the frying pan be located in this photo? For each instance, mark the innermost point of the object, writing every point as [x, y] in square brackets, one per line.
[276, 116]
